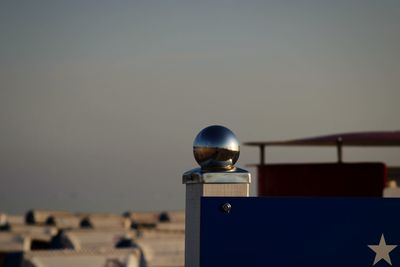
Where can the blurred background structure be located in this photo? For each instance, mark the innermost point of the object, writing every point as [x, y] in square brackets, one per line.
[45, 238]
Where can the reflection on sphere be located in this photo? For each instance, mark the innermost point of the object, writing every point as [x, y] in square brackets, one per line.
[216, 147]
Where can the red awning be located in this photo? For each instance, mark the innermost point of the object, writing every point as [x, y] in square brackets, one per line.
[381, 138]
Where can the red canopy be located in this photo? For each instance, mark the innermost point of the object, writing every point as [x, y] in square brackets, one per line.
[382, 138]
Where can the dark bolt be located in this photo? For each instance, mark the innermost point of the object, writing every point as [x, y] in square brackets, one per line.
[226, 207]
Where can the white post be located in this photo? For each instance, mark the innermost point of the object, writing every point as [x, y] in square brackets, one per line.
[216, 149]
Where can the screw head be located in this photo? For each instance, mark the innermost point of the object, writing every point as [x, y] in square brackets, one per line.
[227, 207]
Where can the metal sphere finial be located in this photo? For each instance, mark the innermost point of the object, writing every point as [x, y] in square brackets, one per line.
[216, 147]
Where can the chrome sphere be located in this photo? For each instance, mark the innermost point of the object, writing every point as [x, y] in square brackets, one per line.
[216, 147]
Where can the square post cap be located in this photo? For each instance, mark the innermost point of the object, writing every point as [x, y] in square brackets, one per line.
[216, 149]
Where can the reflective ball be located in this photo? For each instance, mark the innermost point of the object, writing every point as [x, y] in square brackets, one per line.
[216, 147]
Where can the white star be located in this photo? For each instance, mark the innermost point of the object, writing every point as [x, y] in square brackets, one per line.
[382, 251]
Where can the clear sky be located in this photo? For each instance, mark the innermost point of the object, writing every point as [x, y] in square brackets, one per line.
[100, 100]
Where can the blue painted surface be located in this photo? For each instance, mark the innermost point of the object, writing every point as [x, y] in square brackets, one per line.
[274, 232]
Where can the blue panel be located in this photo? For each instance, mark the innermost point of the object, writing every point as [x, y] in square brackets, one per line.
[312, 232]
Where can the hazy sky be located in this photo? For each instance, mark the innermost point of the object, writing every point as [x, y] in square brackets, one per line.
[100, 100]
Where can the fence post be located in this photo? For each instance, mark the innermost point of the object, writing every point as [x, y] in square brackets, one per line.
[216, 149]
